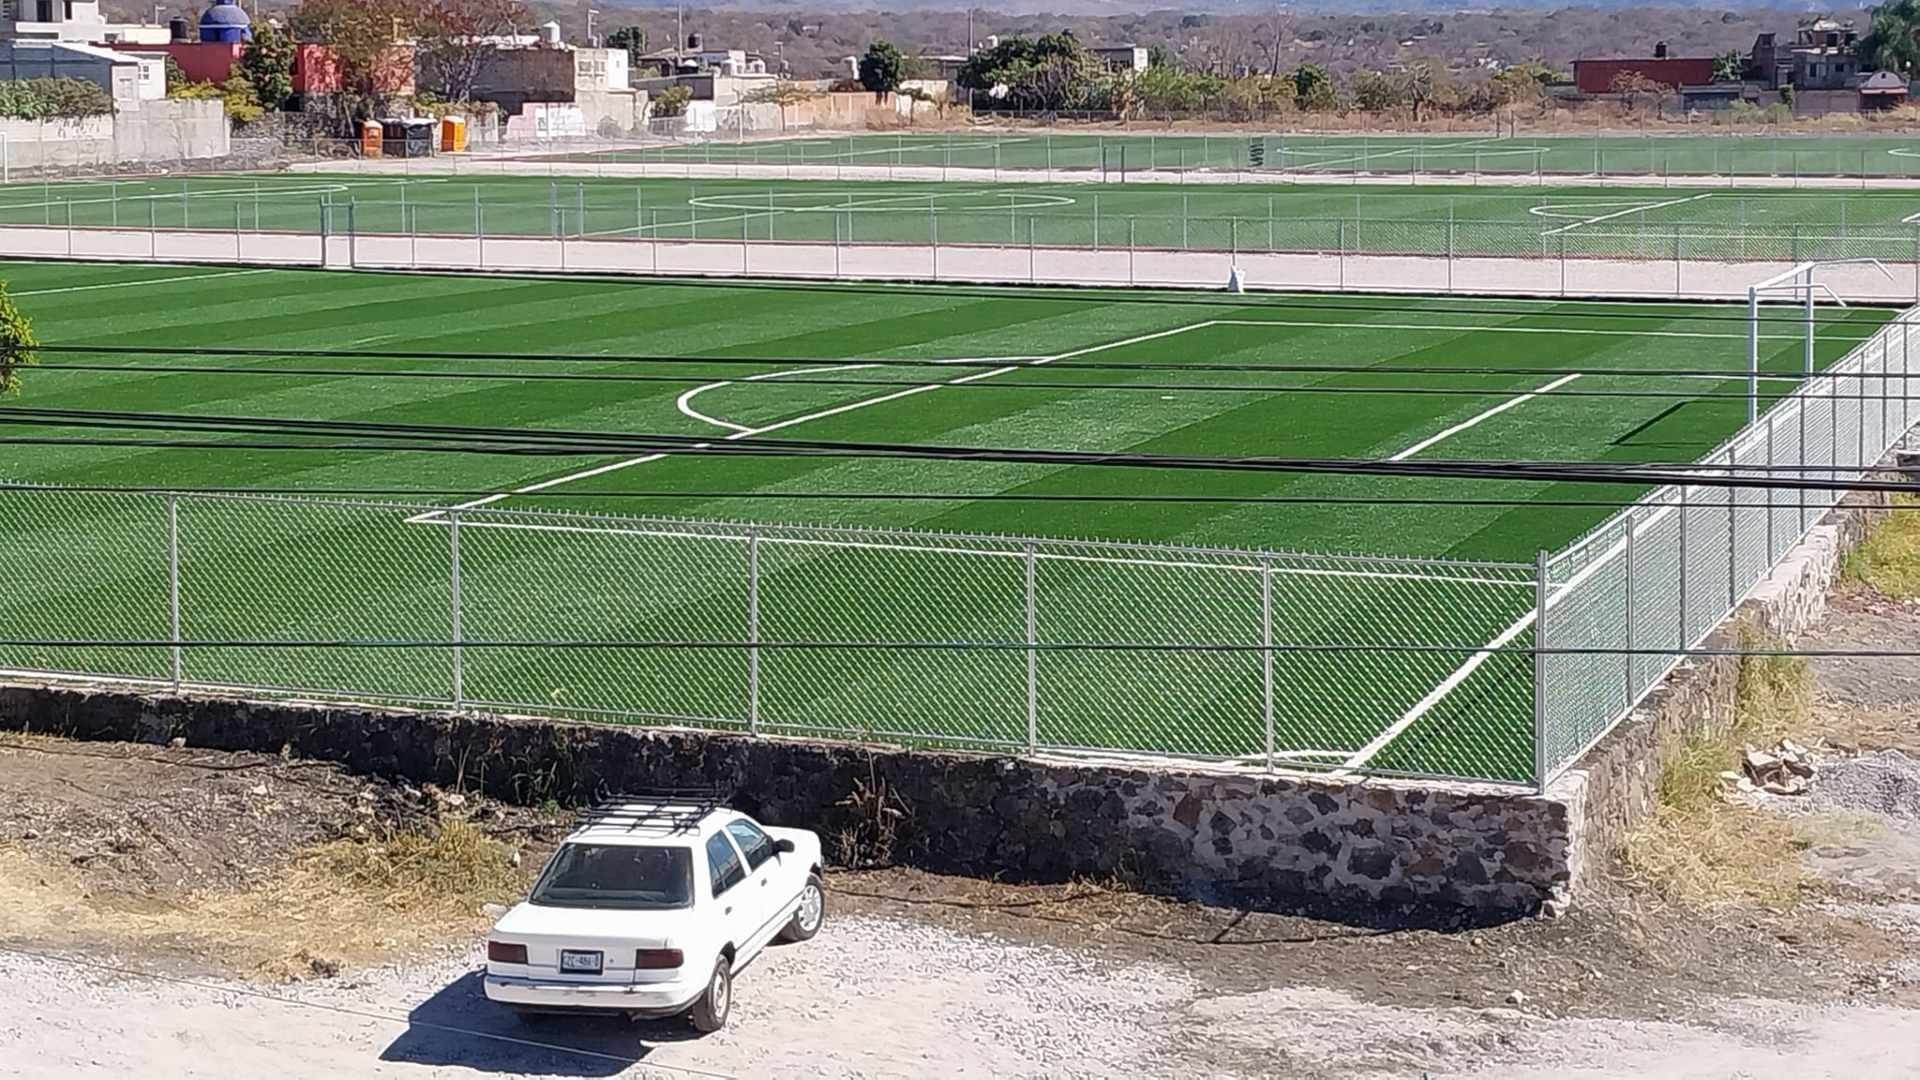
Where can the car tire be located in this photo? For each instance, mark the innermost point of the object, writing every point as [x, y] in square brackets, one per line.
[810, 914]
[709, 1014]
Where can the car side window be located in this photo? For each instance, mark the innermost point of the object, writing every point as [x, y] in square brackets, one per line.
[724, 862]
[754, 843]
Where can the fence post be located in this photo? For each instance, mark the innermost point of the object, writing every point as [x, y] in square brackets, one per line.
[1540, 762]
[1266, 655]
[1033, 667]
[176, 661]
[454, 606]
[1633, 526]
[1131, 222]
[1684, 639]
[1733, 535]
[753, 631]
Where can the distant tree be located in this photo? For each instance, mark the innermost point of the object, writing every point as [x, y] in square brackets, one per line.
[631, 38]
[1892, 40]
[1729, 66]
[1637, 92]
[1159, 56]
[781, 92]
[451, 43]
[882, 68]
[1420, 86]
[1378, 92]
[364, 39]
[17, 343]
[670, 102]
[268, 65]
[1313, 89]
[176, 77]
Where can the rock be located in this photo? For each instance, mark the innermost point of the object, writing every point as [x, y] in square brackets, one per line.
[1516, 998]
[30, 834]
[493, 911]
[323, 967]
[177, 742]
[257, 789]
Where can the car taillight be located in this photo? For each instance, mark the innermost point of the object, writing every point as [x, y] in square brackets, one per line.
[656, 959]
[499, 952]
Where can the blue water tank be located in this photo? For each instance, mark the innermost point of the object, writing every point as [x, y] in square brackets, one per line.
[225, 21]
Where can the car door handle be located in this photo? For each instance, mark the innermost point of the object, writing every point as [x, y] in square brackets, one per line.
[763, 883]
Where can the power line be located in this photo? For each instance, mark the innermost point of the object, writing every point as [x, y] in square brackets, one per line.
[456, 439]
[873, 645]
[960, 363]
[998, 384]
[696, 494]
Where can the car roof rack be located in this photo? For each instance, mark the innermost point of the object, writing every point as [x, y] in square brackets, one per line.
[679, 808]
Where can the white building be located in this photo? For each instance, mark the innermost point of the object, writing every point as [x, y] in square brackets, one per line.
[129, 78]
[72, 20]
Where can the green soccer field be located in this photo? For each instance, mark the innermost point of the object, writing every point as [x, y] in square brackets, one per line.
[1612, 155]
[1653, 223]
[354, 385]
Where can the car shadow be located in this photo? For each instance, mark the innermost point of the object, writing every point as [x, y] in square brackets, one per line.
[459, 1026]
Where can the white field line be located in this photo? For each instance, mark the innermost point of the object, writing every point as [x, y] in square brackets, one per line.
[1478, 418]
[1417, 148]
[684, 401]
[1452, 682]
[174, 196]
[1570, 226]
[747, 433]
[144, 281]
[1453, 328]
[1103, 560]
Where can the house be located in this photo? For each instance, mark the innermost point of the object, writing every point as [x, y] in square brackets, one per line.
[1597, 76]
[127, 79]
[1823, 56]
[72, 20]
[1882, 90]
[1121, 57]
[1768, 64]
[943, 66]
[517, 73]
[697, 59]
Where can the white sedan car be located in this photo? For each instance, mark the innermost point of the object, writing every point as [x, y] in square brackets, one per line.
[651, 907]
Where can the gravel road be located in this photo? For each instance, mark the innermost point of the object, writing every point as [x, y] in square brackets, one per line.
[886, 998]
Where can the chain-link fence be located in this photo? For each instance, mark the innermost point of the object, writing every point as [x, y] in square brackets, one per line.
[252, 212]
[1622, 604]
[1261, 658]
[1483, 671]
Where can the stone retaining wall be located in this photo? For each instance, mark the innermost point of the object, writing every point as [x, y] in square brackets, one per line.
[1296, 842]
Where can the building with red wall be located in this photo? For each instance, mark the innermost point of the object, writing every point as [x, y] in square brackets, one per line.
[1596, 76]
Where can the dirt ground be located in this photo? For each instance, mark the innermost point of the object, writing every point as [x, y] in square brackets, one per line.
[168, 915]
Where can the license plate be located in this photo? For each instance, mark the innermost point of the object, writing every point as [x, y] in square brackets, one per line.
[578, 962]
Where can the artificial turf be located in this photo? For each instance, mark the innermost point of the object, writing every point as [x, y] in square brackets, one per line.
[1610, 155]
[944, 611]
[1652, 222]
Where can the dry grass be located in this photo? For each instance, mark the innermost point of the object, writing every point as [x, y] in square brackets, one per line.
[341, 904]
[1888, 561]
[1700, 850]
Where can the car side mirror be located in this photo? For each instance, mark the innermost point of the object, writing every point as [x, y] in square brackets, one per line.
[783, 846]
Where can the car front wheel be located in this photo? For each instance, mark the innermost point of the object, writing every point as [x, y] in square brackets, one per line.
[710, 1012]
[810, 914]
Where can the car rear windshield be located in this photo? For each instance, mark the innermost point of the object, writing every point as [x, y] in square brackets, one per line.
[616, 876]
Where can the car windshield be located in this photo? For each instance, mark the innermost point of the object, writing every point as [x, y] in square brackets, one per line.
[616, 876]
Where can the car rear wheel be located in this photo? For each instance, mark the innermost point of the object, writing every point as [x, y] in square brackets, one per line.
[710, 1012]
[810, 914]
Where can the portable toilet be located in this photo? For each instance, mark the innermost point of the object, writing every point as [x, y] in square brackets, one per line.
[369, 139]
[453, 134]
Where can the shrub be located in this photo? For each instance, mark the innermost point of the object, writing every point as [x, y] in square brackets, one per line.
[672, 101]
[42, 99]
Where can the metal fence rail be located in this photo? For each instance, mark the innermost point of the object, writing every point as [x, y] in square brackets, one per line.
[1257, 658]
[1666, 571]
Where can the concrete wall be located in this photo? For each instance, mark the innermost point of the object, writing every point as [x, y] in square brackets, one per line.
[166, 130]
